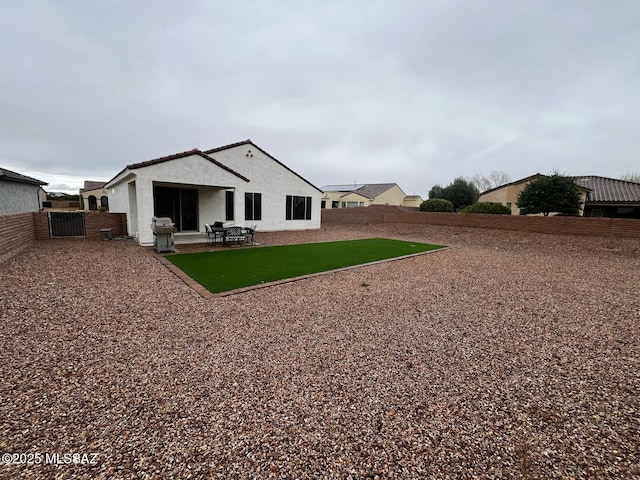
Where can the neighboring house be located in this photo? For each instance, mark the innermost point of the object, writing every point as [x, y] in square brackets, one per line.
[601, 196]
[94, 196]
[609, 197]
[412, 201]
[19, 193]
[365, 194]
[238, 183]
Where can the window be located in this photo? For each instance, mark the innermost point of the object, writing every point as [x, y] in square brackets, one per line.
[228, 204]
[334, 204]
[323, 204]
[298, 208]
[253, 206]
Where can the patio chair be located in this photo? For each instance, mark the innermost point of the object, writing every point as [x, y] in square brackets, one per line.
[251, 233]
[209, 233]
[235, 234]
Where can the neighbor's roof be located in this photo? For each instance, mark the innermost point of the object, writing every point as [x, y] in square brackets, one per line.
[10, 176]
[91, 185]
[517, 182]
[412, 197]
[342, 188]
[368, 190]
[605, 189]
[372, 190]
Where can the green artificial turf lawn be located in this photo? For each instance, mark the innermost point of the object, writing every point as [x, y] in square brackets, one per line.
[230, 269]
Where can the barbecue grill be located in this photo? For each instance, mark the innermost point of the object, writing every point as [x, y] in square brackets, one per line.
[163, 230]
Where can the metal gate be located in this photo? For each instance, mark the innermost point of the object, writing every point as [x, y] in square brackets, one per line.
[66, 224]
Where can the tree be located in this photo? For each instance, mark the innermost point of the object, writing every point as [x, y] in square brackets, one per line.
[435, 192]
[631, 177]
[553, 193]
[436, 205]
[461, 193]
[487, 182]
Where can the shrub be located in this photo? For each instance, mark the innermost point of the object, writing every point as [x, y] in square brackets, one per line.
[487, 207]
[436, 205]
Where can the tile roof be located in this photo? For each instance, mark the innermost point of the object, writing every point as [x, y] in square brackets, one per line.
[522, 180]
[231, 145]
[605, 189]
[206, 155]
[188, 153]
[342, 188]
[372, 190]
[368, 190]
[10, 176]
[91, 185]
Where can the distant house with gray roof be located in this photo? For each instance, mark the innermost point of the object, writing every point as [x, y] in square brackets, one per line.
[610, 197]
[19, 193]
[601, 196]
[365, 194]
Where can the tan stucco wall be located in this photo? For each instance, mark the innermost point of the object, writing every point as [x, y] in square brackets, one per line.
[509, 194]
[504, 195]
[412, 202]
[393, 196]
[330, 197]
[354, 197]
[99, 193]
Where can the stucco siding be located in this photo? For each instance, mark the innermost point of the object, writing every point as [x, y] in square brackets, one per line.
[508, 196]
[266, 176]
[274, 182]
[393, 196]
[99, 193]
[18, 197]
[349, 199]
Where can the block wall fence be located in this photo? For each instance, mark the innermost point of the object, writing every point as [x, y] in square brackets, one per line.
[558, 225]
[18, 231]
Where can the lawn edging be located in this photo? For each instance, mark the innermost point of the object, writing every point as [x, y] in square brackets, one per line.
[206, 294]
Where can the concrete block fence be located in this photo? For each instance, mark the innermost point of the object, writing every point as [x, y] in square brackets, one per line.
[19, 231]
[559, 225]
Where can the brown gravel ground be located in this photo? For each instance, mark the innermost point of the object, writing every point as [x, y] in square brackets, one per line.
[508, 356]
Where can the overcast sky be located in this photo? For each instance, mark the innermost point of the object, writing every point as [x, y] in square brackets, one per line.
[411, 92]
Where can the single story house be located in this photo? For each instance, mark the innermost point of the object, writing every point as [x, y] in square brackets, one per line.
[93, 196]
[365, 194]
[601, 196]
[19, 193]
[610, 197]
[238, 183]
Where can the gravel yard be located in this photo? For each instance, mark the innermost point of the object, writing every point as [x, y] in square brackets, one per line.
[507, 356]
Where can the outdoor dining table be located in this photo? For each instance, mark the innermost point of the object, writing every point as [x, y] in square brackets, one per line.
[219, 233]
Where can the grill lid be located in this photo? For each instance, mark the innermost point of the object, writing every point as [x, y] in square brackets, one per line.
[162, 225]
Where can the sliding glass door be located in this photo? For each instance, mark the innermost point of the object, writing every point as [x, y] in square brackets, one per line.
[179, 204]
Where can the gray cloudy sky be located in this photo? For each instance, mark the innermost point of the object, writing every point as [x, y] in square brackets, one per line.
[413, 92]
